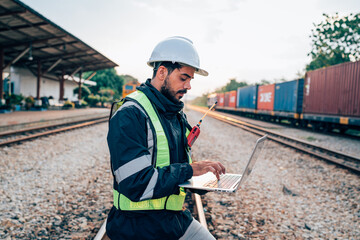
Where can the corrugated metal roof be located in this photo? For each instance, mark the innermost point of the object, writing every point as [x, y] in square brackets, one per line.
[22, 29]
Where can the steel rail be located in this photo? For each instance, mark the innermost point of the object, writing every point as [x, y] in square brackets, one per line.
[20, 131]
[341, 159]
[49, 132]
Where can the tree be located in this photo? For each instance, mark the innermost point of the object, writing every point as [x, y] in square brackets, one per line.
[200, 101]
[231, 85]
[106, 92]
[335, 40]
[129, 78]
[264, 82]
[85, 91]
[107, 79]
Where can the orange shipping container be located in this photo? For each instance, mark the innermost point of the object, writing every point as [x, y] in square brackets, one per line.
[220, 99]
[232, 99]
[266, 97]
[226, 99]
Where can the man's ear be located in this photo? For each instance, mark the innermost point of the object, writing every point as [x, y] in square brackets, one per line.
[161, 73]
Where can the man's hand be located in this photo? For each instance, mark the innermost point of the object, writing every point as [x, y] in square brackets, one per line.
[202, 167]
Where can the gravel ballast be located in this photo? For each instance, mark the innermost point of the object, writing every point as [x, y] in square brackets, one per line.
[57, 187]
[60, 187]
[289, 195]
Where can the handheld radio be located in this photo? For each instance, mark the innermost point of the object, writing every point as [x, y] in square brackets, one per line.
[195, 131]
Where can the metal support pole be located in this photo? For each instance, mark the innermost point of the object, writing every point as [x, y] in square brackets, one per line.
[79, 96]
[1, 75]
[38, 81]
[62, 79]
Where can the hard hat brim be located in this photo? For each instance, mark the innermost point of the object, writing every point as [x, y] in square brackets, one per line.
[199, 71]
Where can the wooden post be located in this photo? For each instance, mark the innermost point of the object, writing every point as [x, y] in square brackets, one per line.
[79, 96]
[1, 75]
[62, 80]
[38, 81]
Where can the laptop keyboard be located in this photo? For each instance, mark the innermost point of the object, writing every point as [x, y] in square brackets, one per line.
[226, 181]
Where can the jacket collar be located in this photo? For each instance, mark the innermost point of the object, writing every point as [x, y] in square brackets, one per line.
[162, 103]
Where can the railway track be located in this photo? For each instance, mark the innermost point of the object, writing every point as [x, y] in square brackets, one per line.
[21, 135]
[18, 136]
[341, 159]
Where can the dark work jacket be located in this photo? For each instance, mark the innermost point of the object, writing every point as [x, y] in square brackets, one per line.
[127, 140]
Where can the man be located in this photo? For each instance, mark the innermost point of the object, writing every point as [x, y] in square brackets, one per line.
[149, 152]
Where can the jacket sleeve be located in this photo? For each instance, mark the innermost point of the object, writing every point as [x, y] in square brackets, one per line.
[131, 160]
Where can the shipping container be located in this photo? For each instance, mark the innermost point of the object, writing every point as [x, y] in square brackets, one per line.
[265, 99]
[333, 90]
[221, 99]
[247, 97]
[226, 99]
[211, 99]
[289, 96]
[232, 99]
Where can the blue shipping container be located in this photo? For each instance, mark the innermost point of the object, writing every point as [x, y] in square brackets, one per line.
[247, 97]
[289, 96]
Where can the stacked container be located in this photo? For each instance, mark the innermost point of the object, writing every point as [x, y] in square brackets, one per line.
[226, 99]
[266, 97]
[220, 99]
[289, 96]
[333, 90]
[247, 97]
[232, 100]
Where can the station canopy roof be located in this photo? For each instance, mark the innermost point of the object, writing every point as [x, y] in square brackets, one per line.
[27, 37]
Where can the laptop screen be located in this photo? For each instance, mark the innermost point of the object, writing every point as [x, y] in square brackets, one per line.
[255, 154]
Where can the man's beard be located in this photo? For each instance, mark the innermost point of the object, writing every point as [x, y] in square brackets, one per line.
[168, 93]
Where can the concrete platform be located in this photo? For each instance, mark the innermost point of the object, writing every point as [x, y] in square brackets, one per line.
[23, 117]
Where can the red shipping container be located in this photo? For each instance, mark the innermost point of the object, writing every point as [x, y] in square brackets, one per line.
[266, 97]
[227, 99]
[232, 99]
[220, 99]
[333, 90]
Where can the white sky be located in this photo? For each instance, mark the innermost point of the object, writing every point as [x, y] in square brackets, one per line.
[244, 39]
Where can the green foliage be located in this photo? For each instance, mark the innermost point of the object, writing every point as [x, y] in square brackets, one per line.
[104, 100]
[231, 85]
[107, 79]
[29, 102]
[200, 101]
[83, 104]
[264, 82]
[68, 105]
[92, 100]
[128, 78]
[85, 91]
[107, 92]
[14, 99]
[335, 40]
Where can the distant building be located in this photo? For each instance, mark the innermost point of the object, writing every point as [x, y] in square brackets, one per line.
[22, 81]
[40, 59]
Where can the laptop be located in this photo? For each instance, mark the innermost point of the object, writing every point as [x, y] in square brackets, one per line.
[228, 182]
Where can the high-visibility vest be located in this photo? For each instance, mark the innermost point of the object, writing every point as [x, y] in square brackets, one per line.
[173, 202]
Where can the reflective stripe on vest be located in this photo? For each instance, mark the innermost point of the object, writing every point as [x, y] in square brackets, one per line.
[173, 202]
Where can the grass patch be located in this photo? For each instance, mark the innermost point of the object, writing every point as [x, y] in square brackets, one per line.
[310, 139]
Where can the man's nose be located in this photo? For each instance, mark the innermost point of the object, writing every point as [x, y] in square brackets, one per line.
[187, 85]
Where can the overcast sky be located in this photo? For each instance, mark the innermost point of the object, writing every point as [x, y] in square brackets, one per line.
[248, 40]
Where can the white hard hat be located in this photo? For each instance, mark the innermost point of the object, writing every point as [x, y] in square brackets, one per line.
[177, 49]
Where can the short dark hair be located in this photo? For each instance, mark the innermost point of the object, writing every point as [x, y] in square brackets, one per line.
[170, 66]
